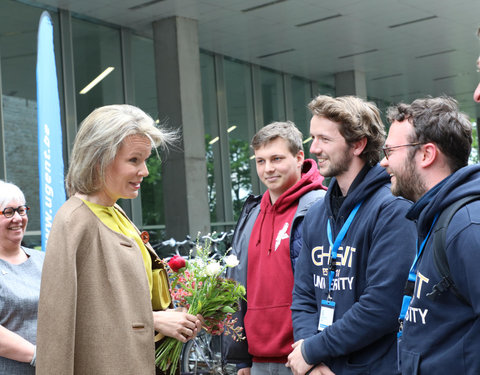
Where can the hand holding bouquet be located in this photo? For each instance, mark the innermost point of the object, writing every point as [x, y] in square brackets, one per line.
[198, 285]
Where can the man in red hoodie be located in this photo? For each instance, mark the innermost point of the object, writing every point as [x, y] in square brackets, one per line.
[267, 241]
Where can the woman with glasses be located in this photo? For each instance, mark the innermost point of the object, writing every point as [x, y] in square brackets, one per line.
[20, 272]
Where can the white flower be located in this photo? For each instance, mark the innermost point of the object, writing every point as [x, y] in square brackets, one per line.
[213, 268]
[231, 261]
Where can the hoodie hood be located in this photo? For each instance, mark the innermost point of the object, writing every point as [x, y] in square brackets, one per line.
[311, 179]
[464, 182]
[373, 180]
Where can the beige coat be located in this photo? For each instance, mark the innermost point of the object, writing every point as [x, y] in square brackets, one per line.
[95, 313]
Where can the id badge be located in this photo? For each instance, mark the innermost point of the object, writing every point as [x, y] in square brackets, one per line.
[326, 314]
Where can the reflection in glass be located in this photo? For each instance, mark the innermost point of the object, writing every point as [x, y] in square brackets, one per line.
[240, 130]
[95, 48]
[272, 96]
[210, 119]
[145, 95]
[18, 48]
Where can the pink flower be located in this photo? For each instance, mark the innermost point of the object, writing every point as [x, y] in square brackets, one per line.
[176, 263]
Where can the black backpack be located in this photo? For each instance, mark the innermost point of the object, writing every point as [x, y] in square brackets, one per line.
[439, 256]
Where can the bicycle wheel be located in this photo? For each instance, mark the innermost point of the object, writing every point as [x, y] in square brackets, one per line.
[202, 355]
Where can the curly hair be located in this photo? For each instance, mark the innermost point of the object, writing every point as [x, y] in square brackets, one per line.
[357, 119]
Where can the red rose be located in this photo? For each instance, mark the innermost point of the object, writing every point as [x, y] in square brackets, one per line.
[176, 263]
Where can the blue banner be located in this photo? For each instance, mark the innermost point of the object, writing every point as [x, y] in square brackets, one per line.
[50, 147]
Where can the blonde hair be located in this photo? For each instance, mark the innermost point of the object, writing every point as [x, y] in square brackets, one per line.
[8, 193]
[99, 138]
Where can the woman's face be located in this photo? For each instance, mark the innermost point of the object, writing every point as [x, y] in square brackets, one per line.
[12, 229]
[124, 175]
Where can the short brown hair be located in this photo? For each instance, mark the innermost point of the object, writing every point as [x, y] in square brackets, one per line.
[285, 130]
[439, 121]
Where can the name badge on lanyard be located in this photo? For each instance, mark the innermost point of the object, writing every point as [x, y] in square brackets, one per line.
[327, 310]
[326, 314]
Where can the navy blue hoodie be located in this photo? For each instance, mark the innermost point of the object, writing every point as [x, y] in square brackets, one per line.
[374, 259]
[443, 336]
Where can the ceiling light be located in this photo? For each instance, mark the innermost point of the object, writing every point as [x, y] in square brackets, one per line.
[358, 53]
[143, 5]
[276, 53]
[435, 53]
[214, 140]
[413, 21]
[252, 157]
[389, 76]
[319, 20]
[231, 128]
[263, 5]
[92, 84]
[445, 77]
[307, 140]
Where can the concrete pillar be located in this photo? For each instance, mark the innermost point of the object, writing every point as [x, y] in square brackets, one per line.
[184, 174]
[351, 82]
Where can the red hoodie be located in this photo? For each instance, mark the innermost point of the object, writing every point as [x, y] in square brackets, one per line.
[268, 322]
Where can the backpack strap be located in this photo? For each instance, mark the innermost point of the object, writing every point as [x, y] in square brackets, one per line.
[439, 255]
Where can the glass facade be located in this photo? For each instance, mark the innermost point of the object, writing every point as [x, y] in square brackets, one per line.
[18, 51]
[240, 128]
[95, 49]
[238, 98]
[273, 96]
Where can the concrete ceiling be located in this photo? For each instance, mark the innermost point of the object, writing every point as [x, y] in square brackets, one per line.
[407, 48]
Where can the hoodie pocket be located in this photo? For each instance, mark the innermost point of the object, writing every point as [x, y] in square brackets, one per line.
[410, 362]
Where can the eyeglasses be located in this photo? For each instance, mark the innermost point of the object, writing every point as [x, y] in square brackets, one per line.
[388, 150]
[8, 212]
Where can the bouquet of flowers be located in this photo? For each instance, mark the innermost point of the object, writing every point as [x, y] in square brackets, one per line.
[198, 284]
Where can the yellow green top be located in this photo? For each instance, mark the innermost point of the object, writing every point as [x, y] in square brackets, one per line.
[117, 222]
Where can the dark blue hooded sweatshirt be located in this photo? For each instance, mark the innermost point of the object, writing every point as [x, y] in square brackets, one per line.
[373, 263]
[443, 336]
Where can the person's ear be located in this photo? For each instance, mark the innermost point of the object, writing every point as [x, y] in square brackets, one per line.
[429, 153]
[359, 146]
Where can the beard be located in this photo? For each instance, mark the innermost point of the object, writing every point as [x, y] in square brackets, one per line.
[339, 166]
[408, 183]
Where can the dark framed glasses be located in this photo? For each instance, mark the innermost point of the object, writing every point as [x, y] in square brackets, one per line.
[388, 150]
[8, 212]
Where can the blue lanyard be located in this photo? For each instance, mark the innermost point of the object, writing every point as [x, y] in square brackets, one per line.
[336, 245]
[412, 275]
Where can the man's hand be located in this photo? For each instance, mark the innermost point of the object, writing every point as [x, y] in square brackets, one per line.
[244, 371]
[296, 362]
[321, 369]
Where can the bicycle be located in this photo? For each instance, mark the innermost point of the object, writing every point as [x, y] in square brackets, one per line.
[203, 355]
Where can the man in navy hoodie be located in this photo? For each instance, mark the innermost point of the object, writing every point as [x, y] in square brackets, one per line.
[426, 155]
[267, 241]
[357, 249]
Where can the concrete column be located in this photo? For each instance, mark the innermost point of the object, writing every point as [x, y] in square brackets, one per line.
[177, 58]
[351, 82]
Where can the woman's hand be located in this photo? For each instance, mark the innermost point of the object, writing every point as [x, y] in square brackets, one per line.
[177, 324]
[15, 347]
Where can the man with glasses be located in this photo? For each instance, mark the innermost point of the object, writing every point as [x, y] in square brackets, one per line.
[357, 248]
[426, 155]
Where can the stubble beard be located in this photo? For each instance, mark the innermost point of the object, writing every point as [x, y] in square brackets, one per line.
[336, 168]
[409, 184]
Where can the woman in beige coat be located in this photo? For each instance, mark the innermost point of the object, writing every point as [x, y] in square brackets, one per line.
[95, 310]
